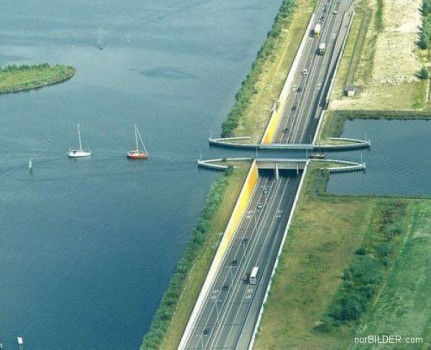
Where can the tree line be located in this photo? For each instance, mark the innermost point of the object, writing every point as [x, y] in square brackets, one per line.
[23, 67]
[248, 86]
[161, 321]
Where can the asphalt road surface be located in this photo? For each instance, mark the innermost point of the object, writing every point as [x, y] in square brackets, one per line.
[227, 319]
[307, 98]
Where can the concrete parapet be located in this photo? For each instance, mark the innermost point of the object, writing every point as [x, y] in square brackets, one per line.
[352, 145]
[277, 113]
[234, 221]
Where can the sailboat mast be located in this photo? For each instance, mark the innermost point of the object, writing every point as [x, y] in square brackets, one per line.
[79, 137]
[142, 142]
[136, 137]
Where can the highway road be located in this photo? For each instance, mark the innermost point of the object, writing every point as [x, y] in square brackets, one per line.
[227, 319]
[230, 311]
[307, 98]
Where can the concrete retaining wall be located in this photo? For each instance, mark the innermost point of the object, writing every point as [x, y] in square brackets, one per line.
[277, 114]
[235, 219]
[256, 327]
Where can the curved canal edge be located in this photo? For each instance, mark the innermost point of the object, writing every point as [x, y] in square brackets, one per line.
[25, 77]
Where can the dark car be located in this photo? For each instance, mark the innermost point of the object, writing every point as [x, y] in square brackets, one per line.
[294, 107]
[299, 89]
[225, 287]
[206, 331]
[245, 240]
[285, 130]
[234, 262]
[245, 278]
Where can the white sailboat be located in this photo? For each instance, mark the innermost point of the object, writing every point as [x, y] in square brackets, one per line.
[79, 153]
[138, 153]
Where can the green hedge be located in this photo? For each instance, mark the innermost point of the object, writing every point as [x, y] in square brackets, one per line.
[338, 118]
[424, 41]
[163, 316]
[248, 86]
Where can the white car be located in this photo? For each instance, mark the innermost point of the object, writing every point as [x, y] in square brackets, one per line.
[304, 71]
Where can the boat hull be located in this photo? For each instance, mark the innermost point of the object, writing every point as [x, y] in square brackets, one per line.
[137, 155]
[78, 154]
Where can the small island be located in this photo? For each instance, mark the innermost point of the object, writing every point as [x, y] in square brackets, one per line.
[15, 78]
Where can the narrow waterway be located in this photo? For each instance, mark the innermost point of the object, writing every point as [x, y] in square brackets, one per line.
[398, 161]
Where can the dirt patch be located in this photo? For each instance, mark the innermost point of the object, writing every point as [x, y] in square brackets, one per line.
[395, 60]
[385, 75]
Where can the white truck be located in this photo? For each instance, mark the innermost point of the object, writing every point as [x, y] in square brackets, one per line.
[317, 30]
[322, 48]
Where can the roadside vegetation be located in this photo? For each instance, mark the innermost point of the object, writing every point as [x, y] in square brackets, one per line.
[343, 261]
[15, 78]
[179, 299]
[334, 120]
[259, 91]
[371, 262]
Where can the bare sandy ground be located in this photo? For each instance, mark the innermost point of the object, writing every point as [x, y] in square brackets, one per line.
[395, 61]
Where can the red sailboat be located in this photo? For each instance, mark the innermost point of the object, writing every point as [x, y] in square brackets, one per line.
[138, 153]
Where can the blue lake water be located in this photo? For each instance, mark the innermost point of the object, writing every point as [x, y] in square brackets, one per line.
[88, 246]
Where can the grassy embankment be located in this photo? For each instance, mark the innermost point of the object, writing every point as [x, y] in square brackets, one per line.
[261, 88]
[345, 255]
[25, 77]
[178, 301]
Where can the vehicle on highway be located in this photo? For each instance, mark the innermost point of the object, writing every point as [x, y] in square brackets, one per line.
[322, 48]
[260, 206]
[266, 189]
[317, 156]
[245, 240]
[304, 71]
[225, 287]
[285, 130]
[245, 277]
[206, 331]
[299, 89]
[253, 275]
[335, 12]
[294, 107]
[234, 262]
[317, 30]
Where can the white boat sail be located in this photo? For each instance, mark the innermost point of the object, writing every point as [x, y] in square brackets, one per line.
[138, 153]
[79, 153]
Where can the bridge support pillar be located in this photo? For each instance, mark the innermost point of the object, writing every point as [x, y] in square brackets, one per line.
[277, 173]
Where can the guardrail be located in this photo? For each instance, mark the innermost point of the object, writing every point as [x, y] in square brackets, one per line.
[235, 219]
[354, 144]
[274, 120]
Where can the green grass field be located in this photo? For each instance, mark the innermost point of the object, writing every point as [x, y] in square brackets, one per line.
[403, 306]
[326, 232]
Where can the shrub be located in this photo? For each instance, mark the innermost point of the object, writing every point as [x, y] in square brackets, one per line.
[424, 73]
[361, 251]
